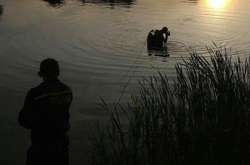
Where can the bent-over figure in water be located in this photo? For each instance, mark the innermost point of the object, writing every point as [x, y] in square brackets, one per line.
[157, 39]
[46, 114]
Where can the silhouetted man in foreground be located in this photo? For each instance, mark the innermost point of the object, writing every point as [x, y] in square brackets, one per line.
[46, 114]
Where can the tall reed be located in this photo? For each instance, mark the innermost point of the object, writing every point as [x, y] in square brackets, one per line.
[200, 118]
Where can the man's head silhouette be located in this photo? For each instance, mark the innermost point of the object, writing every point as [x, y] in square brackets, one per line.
[49, 69]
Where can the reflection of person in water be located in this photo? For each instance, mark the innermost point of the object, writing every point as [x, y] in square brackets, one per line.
[46, 114]
[157, 39]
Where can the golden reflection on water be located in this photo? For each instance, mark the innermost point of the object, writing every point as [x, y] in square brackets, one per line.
[218, 4]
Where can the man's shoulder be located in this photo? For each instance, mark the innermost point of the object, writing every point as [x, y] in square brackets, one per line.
[65, 86]
[36, 90]
[43, 88]
[46, 90]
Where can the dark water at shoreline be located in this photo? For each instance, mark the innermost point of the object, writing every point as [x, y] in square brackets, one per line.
[100, 45]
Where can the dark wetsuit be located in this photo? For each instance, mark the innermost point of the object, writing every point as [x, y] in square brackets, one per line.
[46, 114]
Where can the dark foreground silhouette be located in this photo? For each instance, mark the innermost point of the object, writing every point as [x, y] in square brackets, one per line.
[46, 114]
[157, 41]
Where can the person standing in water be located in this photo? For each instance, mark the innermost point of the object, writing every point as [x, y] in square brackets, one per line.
[46, 114]
[157, 39]
[157, 42]
[164, 33]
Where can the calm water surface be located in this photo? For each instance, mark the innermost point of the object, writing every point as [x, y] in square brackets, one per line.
[101, 46]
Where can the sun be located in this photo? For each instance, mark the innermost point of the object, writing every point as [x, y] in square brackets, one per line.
[218, 4]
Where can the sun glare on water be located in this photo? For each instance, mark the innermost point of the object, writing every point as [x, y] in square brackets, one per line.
[218, 4]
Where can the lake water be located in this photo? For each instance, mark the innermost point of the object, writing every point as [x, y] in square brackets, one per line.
[101, 47]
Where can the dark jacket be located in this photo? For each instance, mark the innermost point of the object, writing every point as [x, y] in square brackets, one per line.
[46, 112]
